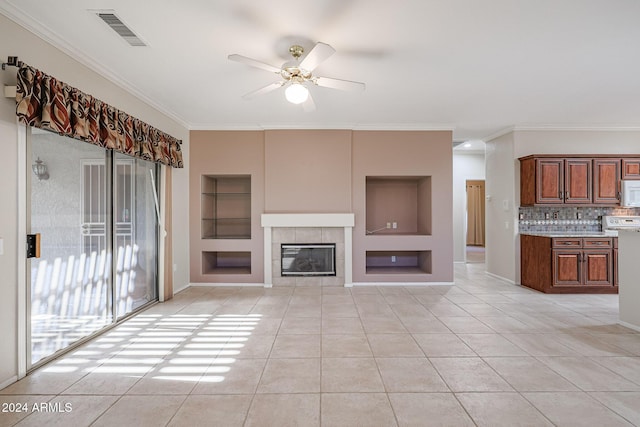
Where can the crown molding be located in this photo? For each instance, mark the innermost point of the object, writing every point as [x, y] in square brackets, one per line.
[323, 126]
[578, 128]
[38, 29]
[561, 128]
[498, 134]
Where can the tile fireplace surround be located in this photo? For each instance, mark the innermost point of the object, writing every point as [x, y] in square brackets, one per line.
[308, 228]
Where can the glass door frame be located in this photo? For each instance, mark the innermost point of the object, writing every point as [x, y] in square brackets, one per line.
[25, 365]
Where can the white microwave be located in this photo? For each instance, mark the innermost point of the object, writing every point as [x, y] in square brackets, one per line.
[630, 194]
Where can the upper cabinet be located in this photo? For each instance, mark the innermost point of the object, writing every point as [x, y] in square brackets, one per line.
[630, 168]
[606, 179]
[578, 181]
[575, 181]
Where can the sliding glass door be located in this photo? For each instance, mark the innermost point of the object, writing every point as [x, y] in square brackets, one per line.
[88, 205]
[136, 239]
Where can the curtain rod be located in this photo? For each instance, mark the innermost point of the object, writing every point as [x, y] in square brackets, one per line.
[12, 61]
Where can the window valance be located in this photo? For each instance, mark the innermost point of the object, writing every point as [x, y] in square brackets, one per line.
[47, 103]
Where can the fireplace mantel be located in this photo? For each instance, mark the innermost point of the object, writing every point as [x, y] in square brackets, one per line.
[337, 220]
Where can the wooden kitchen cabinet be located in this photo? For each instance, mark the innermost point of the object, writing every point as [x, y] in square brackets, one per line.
[555, 181]
[549, 181]
[568, 265]
[576, 180]
[631, 168]
[606, 181]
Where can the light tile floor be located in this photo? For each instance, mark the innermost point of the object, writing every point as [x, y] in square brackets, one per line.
[482, 352]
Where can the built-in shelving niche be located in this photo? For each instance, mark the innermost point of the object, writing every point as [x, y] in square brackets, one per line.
[398, 262]
[226, 262]
[226, 207]
[403, 200]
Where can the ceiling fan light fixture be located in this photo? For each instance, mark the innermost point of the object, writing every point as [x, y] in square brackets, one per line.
[296, 93]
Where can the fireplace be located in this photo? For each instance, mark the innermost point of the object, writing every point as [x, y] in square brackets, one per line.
[308, 229]
[308, 259]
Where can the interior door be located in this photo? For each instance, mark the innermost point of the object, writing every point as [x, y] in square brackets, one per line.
[475, 213]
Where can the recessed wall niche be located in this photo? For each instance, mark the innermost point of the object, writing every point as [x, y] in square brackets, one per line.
[399, 205]
[226, 262]
[226, 206]
[398, 262]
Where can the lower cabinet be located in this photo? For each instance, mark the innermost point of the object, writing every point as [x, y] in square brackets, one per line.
[568, 265]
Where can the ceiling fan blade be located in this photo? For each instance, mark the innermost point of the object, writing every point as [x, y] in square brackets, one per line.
[339, 84]
[253, 63]
[318, 54]
[266, 89]
[309, 106]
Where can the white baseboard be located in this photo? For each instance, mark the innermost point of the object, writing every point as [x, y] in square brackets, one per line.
[629, 325]
[8, 382]
[402, 283]
[504, 279]
[213, 285]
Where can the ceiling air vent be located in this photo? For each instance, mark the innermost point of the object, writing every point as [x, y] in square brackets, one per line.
[119, 27]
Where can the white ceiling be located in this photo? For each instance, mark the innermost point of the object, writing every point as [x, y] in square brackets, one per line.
[476, 67]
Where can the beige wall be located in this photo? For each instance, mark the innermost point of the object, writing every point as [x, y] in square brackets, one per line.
[16, 41]
[404, 153]
[227, 153]
[308, 171]
[324, 171]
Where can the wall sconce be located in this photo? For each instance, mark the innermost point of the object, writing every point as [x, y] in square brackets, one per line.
[40, 170]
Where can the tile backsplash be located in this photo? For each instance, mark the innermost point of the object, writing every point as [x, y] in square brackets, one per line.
[566, 219]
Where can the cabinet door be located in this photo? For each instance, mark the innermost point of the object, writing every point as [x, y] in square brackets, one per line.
[567, 269]
[630, 168]
[598, 267]
[549, 181]
[577, 181]
[606, 181]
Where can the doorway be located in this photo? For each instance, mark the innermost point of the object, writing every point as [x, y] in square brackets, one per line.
[475, 236]
[94, 210]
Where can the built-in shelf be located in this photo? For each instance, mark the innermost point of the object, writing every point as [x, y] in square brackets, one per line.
[398, 205]
[398, 262]
[226, 207]
[226, 262]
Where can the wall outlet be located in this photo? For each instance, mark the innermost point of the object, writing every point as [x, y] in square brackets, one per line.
[520, 216]
[388, 225]
[393, 258]
[394, 225]
[555, 215]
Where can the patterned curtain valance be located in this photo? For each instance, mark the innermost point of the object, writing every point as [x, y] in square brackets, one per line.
[47, 103]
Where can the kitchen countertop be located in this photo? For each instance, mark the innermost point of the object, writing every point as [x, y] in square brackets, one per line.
[572, 233]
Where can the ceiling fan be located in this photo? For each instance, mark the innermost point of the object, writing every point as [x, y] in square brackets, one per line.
[297, 75]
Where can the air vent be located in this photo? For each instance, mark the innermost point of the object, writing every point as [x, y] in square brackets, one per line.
[119, 27]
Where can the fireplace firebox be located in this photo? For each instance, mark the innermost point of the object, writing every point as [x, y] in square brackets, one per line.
[308, 259]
